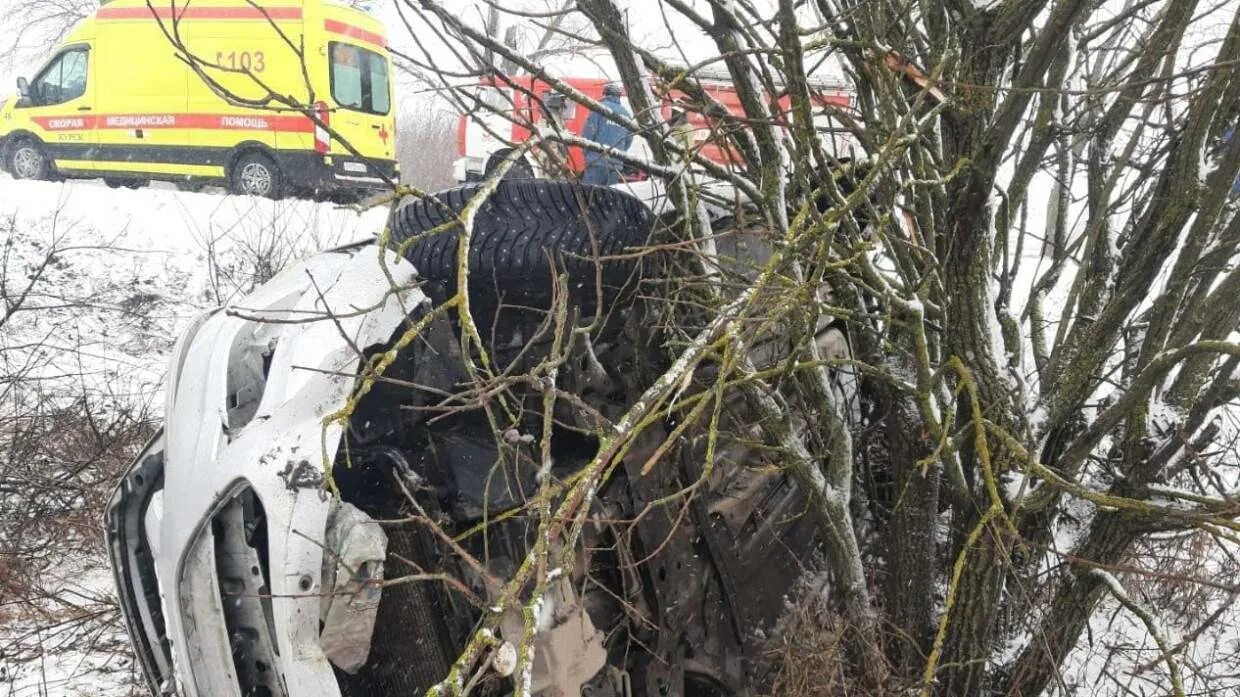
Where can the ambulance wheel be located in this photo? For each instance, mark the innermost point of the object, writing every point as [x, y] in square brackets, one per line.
[116, 183]
[255, 174]
[26, 160]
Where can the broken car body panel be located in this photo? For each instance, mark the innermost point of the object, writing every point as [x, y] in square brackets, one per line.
[249, 398]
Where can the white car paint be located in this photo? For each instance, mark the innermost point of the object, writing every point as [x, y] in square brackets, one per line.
[209, 454]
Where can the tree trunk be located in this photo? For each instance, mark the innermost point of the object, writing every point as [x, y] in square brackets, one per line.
[909, 539]
[1110, 537]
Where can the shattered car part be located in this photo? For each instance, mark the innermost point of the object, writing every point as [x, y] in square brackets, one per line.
[568, 649]
[237, 532]
[229, 427]
[352, 572]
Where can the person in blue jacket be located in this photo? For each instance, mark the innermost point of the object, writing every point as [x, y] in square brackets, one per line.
[601, 169]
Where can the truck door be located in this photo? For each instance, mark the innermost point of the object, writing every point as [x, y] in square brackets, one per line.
[60, 108]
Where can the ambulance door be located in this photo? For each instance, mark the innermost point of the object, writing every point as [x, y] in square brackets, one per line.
[60, 106]
[142, 124]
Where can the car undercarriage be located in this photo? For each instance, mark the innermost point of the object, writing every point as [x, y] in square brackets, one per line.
[339, 497]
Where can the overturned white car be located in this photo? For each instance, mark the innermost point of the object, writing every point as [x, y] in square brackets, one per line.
[304, 528]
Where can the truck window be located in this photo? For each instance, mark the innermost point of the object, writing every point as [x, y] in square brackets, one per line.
[63, 80]
[359, 79]
[495, 98]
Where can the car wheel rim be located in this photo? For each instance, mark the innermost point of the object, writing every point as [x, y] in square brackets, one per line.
[27, 163]
[256, 179]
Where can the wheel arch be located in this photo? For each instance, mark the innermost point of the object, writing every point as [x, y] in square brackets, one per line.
[20, 133]
[245, 148]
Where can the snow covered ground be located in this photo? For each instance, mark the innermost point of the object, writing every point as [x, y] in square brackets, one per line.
[75, 647]
[131, 267]
[115, 275]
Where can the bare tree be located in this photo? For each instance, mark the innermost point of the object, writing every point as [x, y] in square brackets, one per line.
[1032, 251]
[426, 146]
[41, 23]
[67, 431]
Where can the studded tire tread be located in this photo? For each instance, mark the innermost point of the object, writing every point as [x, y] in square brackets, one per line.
[523, 228]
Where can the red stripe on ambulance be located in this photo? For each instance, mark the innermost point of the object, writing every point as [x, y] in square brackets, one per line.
[247, 13]
[140, 121]
[239, 122]
[322, 138]
[65, 123]
[284, 123]
[343, 29]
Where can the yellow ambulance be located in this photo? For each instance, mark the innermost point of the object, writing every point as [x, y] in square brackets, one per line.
[118, 99]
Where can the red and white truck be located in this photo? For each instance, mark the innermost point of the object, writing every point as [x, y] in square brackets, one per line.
[507, 109]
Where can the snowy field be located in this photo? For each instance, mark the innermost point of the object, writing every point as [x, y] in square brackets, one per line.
[129, 268]
[115, 275]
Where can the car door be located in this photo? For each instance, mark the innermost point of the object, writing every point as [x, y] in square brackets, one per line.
[60, 106]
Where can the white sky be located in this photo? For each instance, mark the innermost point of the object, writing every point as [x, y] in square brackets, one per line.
[683, 42]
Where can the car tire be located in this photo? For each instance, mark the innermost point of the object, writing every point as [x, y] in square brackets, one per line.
[26, 159]
[255, 174]
[524, 229]
[519, 170]
[116, 183]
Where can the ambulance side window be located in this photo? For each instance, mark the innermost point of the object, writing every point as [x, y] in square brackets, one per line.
[378, 82]
[359, 79]
[63, 80]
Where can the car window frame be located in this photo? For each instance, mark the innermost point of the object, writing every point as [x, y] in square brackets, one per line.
[364, 74]
[36, 99]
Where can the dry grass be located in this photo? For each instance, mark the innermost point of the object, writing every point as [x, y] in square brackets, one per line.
[807, 651]
[58, 465]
